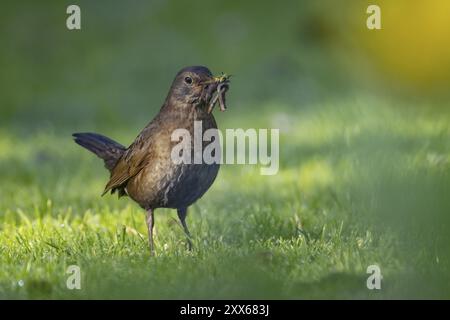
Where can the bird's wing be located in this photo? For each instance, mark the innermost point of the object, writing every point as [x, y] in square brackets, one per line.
[134, 159]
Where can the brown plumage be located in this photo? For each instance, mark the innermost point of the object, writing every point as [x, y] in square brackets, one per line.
[145, 171]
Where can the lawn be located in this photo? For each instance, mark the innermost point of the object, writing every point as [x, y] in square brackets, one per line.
[359, 184]
[364, 175]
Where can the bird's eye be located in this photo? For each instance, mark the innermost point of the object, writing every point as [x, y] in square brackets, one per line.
[188, 80]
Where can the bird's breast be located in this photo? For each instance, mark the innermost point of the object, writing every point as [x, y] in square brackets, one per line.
[165, 183]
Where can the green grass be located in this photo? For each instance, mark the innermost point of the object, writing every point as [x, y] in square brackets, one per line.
[359, 184]
[364, 179]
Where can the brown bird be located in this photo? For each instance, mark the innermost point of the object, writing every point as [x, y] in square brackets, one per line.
[145, 170]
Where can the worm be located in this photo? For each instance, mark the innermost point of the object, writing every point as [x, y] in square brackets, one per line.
[222, 88]
[219, 95]
[213, 103]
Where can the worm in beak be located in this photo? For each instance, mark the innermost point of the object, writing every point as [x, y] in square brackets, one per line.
[218, 89]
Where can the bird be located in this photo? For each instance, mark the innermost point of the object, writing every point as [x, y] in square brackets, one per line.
[144, 171]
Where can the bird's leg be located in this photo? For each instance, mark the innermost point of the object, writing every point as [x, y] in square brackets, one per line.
[182, 215]
[150, 223]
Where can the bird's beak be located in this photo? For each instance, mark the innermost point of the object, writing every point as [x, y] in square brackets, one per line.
[217, 87]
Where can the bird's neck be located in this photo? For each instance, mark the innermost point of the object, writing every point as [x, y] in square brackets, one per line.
[185, 109]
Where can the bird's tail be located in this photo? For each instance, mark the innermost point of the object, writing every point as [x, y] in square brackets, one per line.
[105, 148]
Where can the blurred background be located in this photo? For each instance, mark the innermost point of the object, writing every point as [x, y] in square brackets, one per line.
[364, 118]
[121, 63]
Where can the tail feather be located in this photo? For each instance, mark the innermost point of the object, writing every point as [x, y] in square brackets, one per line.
[105, 148]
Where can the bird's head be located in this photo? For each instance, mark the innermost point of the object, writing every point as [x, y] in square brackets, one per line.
[197, 86]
